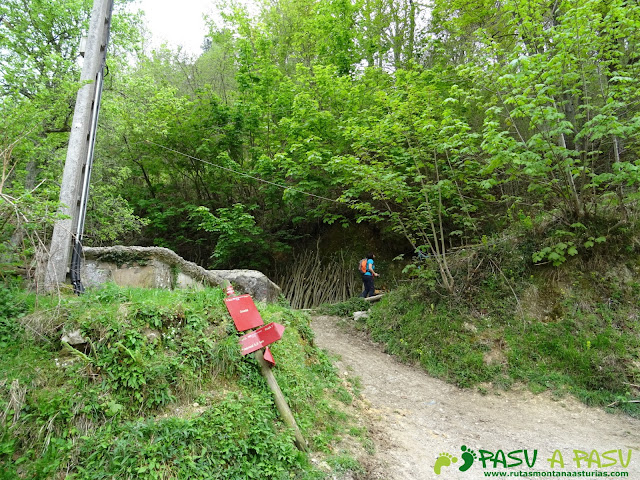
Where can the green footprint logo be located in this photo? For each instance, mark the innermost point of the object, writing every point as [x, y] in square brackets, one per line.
[444, 460]
[468, 456]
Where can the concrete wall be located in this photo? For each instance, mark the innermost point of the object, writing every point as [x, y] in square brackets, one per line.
[155, 267]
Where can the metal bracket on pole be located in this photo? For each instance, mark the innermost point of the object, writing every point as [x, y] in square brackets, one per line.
[76, 256]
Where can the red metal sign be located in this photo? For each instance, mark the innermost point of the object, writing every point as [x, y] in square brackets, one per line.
[261, 338]
[268, 357]
[244, 312]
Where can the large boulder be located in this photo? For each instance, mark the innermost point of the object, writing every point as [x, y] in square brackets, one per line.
[157, 267]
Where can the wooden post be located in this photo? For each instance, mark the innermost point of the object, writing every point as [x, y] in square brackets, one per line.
[281, 402]
[265, 368]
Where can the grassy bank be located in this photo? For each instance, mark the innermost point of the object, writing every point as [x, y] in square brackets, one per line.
[159, 391]
[574, 329]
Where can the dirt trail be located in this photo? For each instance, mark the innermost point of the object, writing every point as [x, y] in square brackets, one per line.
[415, 419]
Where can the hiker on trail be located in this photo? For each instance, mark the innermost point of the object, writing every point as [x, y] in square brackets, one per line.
[368, 276]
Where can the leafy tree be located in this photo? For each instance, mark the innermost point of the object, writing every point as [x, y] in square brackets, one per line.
[38, 83]
[571, 107]
[552, 86]
[216, 67]
[444, 136]
[239, 241]
[388, 31]
[414, 167]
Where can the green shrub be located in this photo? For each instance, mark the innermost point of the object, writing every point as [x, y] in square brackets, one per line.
[345, 309]
[235, 438]
[12, 306]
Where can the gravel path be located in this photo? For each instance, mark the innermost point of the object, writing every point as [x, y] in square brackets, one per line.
[422, 425]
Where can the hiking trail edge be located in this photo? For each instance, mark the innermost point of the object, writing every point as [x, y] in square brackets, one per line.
[421, 425]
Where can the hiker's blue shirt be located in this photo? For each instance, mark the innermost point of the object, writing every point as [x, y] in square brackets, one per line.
[369, 267]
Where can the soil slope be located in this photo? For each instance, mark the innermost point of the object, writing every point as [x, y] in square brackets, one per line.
[422, 425]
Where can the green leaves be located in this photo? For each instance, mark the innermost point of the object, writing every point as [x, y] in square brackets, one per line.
[236, 231]
[436, 135]
[557, 254]
[552, 114]
[39, 44]
[575, 241]
[162, 392]
[236, 436]
[38, 84]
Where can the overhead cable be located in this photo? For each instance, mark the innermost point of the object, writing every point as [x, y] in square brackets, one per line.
[244, 174]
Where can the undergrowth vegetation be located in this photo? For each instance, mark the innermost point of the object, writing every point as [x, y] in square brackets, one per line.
[159, 390]
[344, 309]
[573, 329]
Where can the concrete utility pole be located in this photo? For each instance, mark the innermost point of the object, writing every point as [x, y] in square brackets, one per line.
[77, 167]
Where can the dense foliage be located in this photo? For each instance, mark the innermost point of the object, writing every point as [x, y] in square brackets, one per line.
[442, 124]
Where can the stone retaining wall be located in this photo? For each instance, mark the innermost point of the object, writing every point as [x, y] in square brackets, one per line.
[156, 267]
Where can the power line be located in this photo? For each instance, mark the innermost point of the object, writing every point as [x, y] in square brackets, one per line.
[244, 174]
